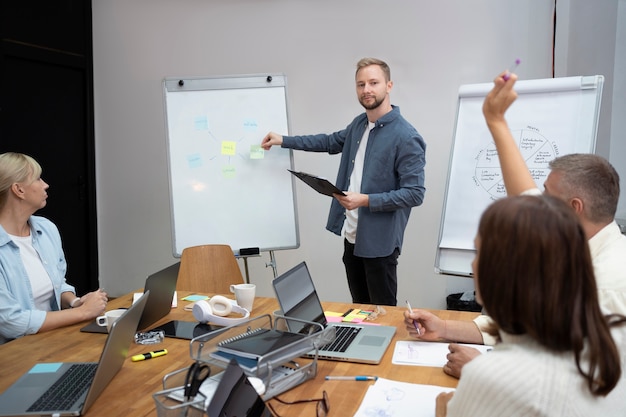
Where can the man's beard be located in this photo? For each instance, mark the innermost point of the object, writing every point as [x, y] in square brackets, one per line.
[372, 106]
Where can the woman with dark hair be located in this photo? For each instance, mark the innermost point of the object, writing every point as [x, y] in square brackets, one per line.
[558, 354]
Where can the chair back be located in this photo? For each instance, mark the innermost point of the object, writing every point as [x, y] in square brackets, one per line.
[208, 269]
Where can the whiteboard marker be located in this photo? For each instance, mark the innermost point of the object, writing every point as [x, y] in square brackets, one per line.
[507, 75]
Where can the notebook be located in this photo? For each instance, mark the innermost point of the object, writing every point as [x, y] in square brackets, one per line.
[258, 342]
[298, 299]
[162, 285]
[20, 398]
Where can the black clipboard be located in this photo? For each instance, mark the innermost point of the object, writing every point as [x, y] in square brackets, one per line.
[321, 185]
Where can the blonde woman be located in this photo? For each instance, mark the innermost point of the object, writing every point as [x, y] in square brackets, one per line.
[34, 295]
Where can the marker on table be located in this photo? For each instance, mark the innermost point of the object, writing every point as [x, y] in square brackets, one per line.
[508, 72]
[149, 355]
[351, 378]
[408, 307]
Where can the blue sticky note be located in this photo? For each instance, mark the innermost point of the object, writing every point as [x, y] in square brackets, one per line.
[201, 123]
[250, 125]
[195, 297]
[42, 368]
[194, 160]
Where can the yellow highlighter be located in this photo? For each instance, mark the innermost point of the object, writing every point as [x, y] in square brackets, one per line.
[149, 355]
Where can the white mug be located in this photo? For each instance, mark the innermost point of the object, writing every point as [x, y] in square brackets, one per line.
[109, 318]
[244, 294]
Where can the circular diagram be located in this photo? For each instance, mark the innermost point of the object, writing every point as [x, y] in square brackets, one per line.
[536, 150]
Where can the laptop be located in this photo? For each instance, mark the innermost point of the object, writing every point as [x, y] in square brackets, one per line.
[162, 285]
[298, 299]
[24, 397]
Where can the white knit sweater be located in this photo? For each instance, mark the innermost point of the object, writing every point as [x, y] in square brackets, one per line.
[521, 378]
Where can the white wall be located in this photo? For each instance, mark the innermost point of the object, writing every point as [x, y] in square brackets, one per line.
[591, 39]
[618, 122]
[432, 48]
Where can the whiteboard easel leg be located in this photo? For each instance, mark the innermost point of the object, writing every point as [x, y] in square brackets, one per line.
[272, 263]
[245, 265]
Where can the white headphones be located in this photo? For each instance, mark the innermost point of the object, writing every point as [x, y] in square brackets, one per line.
[216, 308]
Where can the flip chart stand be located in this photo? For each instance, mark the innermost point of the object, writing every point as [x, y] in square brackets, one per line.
[272, 263]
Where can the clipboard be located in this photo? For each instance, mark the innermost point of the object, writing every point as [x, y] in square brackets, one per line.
[321, 185]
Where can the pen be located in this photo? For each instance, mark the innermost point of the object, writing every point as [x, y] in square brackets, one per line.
[149, 355]
[351, 378]
[408, 307]
[507, 75]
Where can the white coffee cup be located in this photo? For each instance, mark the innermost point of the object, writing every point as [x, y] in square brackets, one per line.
[109, 318]
[279, 322]
[244, 294]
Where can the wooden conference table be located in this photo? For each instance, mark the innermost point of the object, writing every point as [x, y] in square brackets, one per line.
[130, 392]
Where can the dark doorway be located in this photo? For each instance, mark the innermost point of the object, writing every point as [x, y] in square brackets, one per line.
[46, 111]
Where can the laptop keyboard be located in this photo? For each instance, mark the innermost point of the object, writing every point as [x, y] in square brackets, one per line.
[344, 335]
[64, 392]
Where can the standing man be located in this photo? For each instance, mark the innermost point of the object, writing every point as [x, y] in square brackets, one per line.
[382, 171]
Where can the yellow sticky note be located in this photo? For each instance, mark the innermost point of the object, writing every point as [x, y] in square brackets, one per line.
[229, 147]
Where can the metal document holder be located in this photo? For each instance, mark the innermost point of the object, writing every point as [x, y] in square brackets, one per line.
[279, 369]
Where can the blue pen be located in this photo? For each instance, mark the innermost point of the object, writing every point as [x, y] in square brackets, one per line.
[408, 307]
[352, 378]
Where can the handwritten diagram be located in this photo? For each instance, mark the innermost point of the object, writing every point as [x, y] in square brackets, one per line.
[240, 140]
[536, 150]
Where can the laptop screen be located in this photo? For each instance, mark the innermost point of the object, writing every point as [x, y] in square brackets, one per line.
[298, 299]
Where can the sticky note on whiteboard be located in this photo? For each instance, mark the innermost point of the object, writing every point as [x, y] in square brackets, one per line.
[256, 152]
[229, 147]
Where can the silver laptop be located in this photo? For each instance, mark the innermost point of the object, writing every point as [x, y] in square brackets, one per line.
[298, 299]
[33, 393]
[162, 285]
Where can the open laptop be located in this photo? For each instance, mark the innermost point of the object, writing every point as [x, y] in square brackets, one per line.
[298, 299]
[21, 398]
[162, 285]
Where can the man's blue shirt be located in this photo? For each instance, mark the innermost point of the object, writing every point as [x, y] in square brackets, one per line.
[393, 178]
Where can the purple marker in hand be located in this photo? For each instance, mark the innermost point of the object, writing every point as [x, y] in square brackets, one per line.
[507, 75]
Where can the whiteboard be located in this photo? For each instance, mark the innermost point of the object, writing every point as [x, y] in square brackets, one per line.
[224, 188]
[551, 117]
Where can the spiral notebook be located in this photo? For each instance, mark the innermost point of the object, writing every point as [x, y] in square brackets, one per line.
[258, 342]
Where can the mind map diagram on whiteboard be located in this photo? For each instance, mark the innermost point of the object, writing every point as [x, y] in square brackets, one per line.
[241, 143]
[536, 150]
[225, 187]
[550, 118]
[476, 178]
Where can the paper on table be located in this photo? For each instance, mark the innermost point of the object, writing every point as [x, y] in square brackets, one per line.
[399, 399]
[137, 296]
[417, 353]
